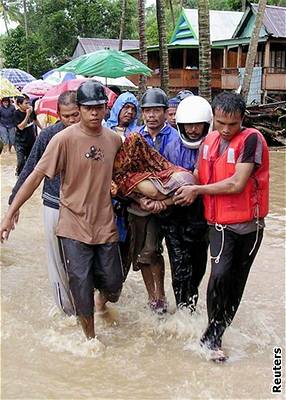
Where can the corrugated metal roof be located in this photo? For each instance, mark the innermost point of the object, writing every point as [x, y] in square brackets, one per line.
[274, 20]
[92, 44]
[222, 26]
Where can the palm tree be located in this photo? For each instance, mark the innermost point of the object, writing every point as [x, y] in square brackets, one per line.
[205, 68]
[142, 45]
[10, 12]
[122, 24]
[163, 49]
[172, 13]
[252, 49]
[3, 10]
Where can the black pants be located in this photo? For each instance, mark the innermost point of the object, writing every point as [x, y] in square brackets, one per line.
[227, 280]
[92, 267]
[23, 151]
[187, 249]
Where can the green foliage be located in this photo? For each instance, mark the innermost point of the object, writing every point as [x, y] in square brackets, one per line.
[18, 52]
[151, 23]
[54, 25]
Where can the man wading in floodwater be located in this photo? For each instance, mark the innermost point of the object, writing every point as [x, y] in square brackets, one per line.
[83, 155]
[233, 176]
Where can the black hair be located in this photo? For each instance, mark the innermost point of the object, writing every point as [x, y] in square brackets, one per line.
[67, 98]
[20, 99]
[115, 89]
[6, 99]
[229, 103]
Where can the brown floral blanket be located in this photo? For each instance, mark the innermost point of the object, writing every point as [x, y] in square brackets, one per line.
[137, 161]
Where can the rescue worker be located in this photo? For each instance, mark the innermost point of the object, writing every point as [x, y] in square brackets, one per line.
[146, 245]
[233, 177]
[184, 227]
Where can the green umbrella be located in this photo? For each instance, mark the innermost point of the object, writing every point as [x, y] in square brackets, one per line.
[106, 63]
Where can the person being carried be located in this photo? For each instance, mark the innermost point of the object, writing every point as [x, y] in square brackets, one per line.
[233, 177]
[83, 155]
[69, 115]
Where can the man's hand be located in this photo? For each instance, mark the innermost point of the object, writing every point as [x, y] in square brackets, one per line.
[185, 195]
[153, 206]
[7, 225]
[113, 189]
[29, 111]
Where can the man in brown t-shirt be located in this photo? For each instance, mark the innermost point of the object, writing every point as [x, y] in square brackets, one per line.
[83, 155]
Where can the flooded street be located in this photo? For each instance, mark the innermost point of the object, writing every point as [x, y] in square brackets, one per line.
[137, 356]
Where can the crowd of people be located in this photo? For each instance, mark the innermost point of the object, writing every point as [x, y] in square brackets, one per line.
[116, 184]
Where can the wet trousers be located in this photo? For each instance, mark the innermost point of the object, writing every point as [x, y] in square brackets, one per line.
[227, 281]
[56, 270]
[22, 152]
[187, 249]
[89, 267]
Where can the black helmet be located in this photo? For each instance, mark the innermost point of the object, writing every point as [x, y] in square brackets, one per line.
[91, 93]
[154, 97]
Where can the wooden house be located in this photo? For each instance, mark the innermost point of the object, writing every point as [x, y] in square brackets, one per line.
[230, 34]
[271, 52]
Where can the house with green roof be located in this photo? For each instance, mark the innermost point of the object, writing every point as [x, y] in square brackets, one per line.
[271, 51]
[230, 33]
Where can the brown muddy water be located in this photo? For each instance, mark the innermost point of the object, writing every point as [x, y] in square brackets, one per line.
[137, 356]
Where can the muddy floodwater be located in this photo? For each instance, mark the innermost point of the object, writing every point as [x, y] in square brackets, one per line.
[138, 356]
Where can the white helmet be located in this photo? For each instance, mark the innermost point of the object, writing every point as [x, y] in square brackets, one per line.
[193, 109]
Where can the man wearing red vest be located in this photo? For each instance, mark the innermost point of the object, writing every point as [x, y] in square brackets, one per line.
[233, 177]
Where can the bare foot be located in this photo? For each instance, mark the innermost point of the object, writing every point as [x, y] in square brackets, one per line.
[87, 324]
[218, 356]
[100, 303]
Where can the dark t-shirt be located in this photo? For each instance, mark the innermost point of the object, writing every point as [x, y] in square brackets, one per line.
[7, 116]
[26, 135]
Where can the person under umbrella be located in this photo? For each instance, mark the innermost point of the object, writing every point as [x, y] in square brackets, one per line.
[7, 124]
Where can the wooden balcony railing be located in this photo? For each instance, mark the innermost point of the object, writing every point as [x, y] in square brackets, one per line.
[184, 78]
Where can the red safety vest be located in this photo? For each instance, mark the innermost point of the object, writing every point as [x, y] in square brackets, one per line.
[253, 201]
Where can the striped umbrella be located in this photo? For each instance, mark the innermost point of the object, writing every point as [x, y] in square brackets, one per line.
[36, 88]
[18, 77]
[7, 89]
[48, 104]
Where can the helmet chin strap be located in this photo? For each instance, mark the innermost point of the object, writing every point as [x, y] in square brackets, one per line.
[192, 145]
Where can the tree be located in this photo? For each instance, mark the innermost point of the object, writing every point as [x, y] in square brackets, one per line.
[163, 49]
[252, 49]
[204, 51]
[142, 44]
[122, 23]
[15, 48]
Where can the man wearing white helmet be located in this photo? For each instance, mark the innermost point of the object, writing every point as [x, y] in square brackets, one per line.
[184, 228]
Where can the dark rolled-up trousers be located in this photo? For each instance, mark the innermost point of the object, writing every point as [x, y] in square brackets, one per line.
[92, 267]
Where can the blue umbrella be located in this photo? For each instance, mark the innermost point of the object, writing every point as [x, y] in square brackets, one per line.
[55, 77]
[18, 77]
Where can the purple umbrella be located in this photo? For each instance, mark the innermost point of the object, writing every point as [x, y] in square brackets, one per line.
[18, 77]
